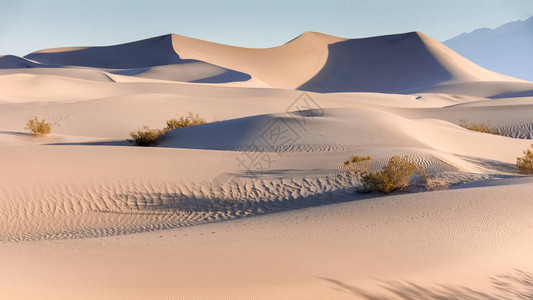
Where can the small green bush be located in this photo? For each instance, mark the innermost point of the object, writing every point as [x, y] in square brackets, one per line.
[146, 136]
[38, 128]
[525, 163]
[485, 128]
[189, 120]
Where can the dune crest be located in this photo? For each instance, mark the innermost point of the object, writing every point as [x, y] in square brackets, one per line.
[313, 61]
[394, 64]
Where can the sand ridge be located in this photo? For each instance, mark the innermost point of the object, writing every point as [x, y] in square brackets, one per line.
[312, 62]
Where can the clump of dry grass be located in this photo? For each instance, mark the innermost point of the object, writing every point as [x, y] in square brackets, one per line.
[356, 159]
[436, 184]
[525, 163]
[185, 121]
[432, 183]
[145, 136]
[358, 164]
[38, 128]
[483, 127]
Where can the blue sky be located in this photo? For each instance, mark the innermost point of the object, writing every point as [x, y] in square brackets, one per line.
[30, 25]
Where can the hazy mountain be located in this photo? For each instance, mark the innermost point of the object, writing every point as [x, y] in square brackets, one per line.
[507, 49]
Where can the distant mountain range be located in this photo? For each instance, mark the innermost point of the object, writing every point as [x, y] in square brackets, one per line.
[507, 49]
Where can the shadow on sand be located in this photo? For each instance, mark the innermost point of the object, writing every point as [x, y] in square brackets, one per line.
[491, 166]
[412, 66]
[528, 93]
[512, 286]
[16, 133]
[95, 143]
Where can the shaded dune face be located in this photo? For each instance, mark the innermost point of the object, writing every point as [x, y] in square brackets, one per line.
[146, 53]
[287, 66]
[406, 63]
[188, 71]
[317, 62]
[399, 63]
[152, 58]
[15, 62]
[388, 64]
[354, 127]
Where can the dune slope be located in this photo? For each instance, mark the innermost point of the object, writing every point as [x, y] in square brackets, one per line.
[313, 61]
[150, 52]
[394, 64]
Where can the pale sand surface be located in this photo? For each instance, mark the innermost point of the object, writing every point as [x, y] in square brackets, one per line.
[449, 237]
[83, 214]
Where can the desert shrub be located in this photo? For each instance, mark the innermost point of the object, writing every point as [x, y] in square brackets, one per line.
[145, 136]
[148, 137]
[184, 121]
[38, 128]
[396, 175]
[525, 163]
[483, 127]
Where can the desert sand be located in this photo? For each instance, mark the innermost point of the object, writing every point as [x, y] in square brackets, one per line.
[257, 203]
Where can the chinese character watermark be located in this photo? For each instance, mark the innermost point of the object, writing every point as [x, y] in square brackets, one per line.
[280, 134]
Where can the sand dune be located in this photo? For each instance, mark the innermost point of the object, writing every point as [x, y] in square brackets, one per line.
[332, 64]
[396, 63]
[488, 89]
[150, 58]
[303, 171]
[15, 62]
[78, 73]
[146, 53]
[286, 66]
[355, 129]
[86, 211]
[199, 72]
[311, 62]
